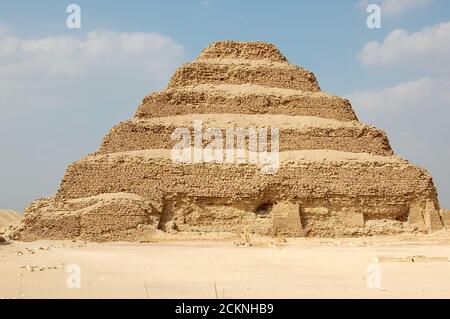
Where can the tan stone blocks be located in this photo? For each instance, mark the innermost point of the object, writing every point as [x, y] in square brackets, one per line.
[242, 50]
[286, 219]
[336, 176]
[200, 72]
[195, 101]
[445, 216]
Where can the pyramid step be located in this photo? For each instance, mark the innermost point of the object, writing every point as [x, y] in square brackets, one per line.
[244, 99]
[246, 63]
[295, 158]
[380, 185]
[207, 72]
[90, 218]
[295, 133]
[242, 50]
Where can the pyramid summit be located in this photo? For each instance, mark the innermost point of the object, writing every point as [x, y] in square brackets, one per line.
[336, 176]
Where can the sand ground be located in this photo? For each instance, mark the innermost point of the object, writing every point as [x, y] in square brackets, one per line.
[8, 217]
[210, 266]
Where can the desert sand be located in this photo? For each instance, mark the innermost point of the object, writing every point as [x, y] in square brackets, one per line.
[222, 265]
[8, 217]
[9, 220]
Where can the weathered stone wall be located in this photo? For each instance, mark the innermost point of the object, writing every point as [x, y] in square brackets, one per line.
[145, 173]
[240, 50]
[445, 216]
[116, 216]
[141, 135]
[173, 102]
[209, 198]
[216, 197]
[337, 176]
[265, 75]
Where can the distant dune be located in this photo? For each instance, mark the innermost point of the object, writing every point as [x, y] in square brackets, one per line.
[8, 217]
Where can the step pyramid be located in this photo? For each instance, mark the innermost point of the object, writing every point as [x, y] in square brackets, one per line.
[335, 176]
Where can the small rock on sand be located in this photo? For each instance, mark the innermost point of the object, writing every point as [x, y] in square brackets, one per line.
[4, 241]
[415, 258]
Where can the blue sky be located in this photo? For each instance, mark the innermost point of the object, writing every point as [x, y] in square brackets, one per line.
[58, 99]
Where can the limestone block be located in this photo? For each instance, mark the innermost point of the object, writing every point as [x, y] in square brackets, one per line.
[55, 225]
[445, 216]
[431, 217]
[316, 210]
[351, 218]
[415, 216]
[286, 219]
[113, 217]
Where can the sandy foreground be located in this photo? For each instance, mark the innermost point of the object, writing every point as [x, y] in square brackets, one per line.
[213, 266]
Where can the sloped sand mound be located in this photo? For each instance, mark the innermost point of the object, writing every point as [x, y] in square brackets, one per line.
[9, 217]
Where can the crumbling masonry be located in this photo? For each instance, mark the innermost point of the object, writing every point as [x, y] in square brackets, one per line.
[337, 176]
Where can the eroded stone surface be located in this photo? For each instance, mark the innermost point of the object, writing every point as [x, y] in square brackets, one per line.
[445, 216]
[337, 176]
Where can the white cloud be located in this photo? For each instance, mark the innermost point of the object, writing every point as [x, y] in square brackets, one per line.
[415, 116]
[427, 49]
[60, 95]
[423, 93]
[415, 113]
[38, 66]
[397, 7]
[151, 52]
[3, 29]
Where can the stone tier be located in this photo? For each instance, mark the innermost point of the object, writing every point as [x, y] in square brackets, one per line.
[295, 133]
[129, 195]
[280, 75]
[242, 50]
[244, 99]
[115, 216]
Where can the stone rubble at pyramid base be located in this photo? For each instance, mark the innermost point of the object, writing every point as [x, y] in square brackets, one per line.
[134, 221]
